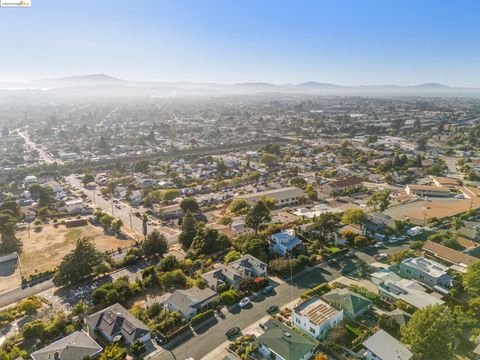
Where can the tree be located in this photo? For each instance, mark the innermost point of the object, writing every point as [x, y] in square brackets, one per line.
[155, 244]
[325, 224]
[168, 263]
[232, 256]
[142, 166]
[189, 204]
[173, 278]
[268, 159]
[250, 244]
[257, 216]
[471, 280]
[238, 206]
[457, 223]
[112, 352]
[389, 324]
[360, 241]
[229, 297]
[87, 178]
[431, 332]
[380, 200]
[189, 231]
[116, 225]
[79, 263]
[354, 216]
[42, 194]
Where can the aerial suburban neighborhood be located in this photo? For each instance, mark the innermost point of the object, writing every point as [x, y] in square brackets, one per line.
[328, 236]
[175, 184]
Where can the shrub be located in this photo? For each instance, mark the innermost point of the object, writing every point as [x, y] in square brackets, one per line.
[317, 290]
[138, 348]
[229, 297]
[199, 318]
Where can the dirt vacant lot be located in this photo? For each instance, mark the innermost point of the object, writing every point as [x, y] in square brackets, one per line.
[44, 249]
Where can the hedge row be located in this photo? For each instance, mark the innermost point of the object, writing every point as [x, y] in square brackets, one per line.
[317, 290]
[199, 318]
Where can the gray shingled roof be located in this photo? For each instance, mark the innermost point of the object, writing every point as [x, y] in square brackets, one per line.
[386, 347]
[76, 346]
[116, 320]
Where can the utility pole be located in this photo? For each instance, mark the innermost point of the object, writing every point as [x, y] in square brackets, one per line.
[112, 207]
[130, 216]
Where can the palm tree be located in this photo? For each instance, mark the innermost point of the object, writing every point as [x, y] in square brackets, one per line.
[457, 223]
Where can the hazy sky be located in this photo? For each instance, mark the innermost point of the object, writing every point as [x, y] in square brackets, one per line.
[344, 42]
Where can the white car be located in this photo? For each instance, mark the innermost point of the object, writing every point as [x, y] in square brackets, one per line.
[244, 302]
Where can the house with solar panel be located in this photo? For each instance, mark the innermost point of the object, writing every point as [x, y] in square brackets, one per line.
[117, 324]
[315, 317]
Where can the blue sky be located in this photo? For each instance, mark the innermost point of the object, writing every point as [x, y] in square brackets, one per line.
[351, 42]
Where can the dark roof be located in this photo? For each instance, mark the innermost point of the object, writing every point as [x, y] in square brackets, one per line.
[284, 341]
[116, 320]
[351, 181]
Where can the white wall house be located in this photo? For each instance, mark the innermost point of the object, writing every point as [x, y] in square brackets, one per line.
[315, 317]
[283, 242]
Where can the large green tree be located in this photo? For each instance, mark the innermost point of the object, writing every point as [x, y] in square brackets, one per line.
[354, 216]
[155, 244]
[432, 332]
[79, 263]
[380, 200]
[257, 216]
[189, 204]
[189, 231]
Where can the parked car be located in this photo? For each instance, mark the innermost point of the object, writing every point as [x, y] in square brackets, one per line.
[244, 302]
[379, 244]
[268, 289]
[232, 332]
[380, 256]
[272, 309]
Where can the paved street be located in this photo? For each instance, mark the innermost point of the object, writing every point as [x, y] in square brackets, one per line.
[123, 211]
[210, 338]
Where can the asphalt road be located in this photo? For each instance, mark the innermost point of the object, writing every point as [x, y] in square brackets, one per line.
[209, 338]
[123, 211]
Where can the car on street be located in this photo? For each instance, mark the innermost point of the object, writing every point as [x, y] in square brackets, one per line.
[268, 289]
[272, 309]
[244, 302]
[232, 332]
[380, 256]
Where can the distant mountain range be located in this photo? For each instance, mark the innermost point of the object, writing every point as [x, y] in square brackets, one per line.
[105, 85]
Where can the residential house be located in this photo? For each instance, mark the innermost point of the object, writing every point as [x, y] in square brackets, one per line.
[76, 346]
[346, 185]
[231, 274]
[409, 291]
[352, 304]
[383, 346]
[315, 317]
[427, 190]
[445, 181]
[283, 196]
[426, 271]
[190, 301]
[279, 342]
[458, 260]
[401, 317]
[117, 323]
[383, 275]
[284, 242]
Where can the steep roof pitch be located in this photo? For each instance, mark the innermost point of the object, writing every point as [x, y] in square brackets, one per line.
[284, 341]
[76, 346]
[347, 300]
[116, 320]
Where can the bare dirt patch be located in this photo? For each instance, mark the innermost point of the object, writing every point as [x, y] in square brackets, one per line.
[44, 249]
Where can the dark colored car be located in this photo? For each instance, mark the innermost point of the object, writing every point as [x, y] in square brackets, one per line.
[272, 309]
[268, 289]
[232, 332]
